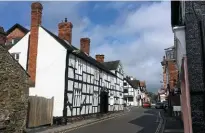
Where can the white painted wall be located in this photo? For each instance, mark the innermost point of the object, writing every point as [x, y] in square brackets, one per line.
[22, 48]
[50, 69]
[138, 93]
[180, 45]
[130, 93]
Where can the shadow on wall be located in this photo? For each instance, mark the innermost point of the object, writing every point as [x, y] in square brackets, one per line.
[146, 122]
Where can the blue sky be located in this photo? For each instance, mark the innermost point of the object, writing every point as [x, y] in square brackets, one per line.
[134, 32]
[98, 12]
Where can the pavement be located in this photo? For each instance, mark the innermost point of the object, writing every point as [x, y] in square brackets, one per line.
[74, 125]
[172, 124]
[138, 120]
[134, 120]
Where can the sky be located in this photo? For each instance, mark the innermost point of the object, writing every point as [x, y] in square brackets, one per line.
[134, 32]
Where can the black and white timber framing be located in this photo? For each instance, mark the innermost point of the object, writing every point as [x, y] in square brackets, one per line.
[116, 68]
[90, 87]
[128, 92]
[85, 83]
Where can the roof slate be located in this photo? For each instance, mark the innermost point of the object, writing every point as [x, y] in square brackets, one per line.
[79, 54]
[112, 65]
[134, 83]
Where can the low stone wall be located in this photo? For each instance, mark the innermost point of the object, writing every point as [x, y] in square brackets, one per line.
[14, 86]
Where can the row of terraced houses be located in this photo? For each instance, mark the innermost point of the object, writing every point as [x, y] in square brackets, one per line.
[79, 83]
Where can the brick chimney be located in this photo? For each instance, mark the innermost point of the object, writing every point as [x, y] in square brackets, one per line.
[2, 36]
[85, 45]
[100, 58]
[36, 16]
[65, 30]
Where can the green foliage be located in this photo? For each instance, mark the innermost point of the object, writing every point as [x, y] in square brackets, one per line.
[153, 97]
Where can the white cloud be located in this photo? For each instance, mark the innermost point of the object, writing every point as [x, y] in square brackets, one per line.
[149, 27]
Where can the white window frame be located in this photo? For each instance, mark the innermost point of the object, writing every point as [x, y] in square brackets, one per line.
[80, 67]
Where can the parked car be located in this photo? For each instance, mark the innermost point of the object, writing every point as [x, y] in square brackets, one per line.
[159, 105]
[153, 104]
[146, 105]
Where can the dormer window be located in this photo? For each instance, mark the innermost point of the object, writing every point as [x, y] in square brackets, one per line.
[16, 56]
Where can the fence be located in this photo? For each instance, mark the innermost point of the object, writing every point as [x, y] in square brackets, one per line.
[40, 111]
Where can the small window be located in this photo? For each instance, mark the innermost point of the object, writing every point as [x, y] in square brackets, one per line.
[12, 41]
[125, 91]
[125, 84]
[130, 99]
[80, 69]
[16, 56]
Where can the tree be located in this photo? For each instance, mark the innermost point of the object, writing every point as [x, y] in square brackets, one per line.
[153, 96]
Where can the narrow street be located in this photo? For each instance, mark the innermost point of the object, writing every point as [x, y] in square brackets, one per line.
[138, 120]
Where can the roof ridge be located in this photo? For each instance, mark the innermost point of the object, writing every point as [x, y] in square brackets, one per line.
[80, 54]
[22, 28]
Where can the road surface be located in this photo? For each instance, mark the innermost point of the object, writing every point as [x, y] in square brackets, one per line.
[138, 120]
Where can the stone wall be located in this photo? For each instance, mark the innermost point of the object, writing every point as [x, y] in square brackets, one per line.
[193, 13]
[14, 85]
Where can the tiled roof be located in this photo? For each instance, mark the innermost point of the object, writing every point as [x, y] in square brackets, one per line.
[79, 53]
[134, 83]
[23, 29]
[112, 65]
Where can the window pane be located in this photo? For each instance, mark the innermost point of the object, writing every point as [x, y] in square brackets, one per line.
[125, 91]
[17, 56]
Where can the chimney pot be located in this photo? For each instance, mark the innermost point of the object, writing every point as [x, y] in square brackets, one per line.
[85, 45]
[65, 30]
[100, 58]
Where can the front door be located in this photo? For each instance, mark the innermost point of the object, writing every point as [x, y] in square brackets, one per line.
[104, 102]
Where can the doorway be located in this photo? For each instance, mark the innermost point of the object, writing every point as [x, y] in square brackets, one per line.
[103, 102]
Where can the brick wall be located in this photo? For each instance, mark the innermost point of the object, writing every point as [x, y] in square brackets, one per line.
[85, 45]
[65, 31]
[99, 58]
[36, 17]
[173, 73]
[164, 77]
[17, 33]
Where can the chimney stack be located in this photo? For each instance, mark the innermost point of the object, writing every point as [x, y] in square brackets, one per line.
[36, 17]
[100, 58]
[85, 45]
[65, 30]
[2, 36]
